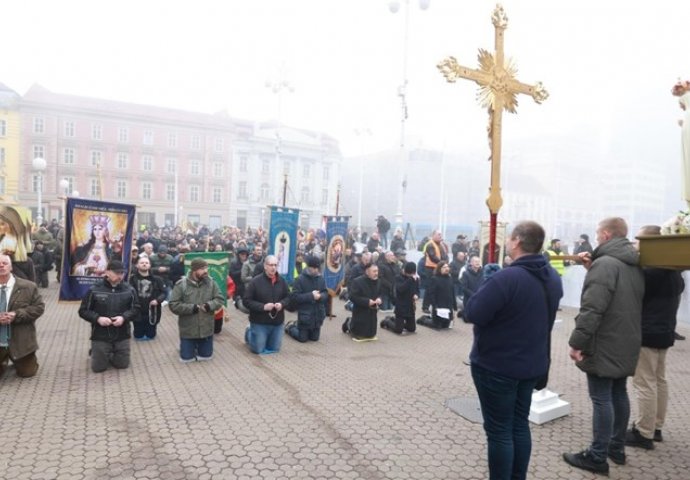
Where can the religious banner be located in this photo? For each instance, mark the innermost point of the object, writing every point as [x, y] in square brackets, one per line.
[218, 265]
[282, 239]
[15, 238]
[334, 268]
[95, 233]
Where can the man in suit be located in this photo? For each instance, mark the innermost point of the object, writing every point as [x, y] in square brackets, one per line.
[20, 307]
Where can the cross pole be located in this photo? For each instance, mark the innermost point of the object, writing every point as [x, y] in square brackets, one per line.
[498, 89]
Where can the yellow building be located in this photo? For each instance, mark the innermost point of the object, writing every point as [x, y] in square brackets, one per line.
[9, 145]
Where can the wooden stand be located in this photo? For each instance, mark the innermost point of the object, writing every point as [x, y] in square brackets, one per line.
[665, 251]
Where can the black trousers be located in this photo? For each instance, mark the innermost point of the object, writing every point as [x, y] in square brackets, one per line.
[398, 324]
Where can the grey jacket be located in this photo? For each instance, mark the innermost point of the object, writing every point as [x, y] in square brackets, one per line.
[186, 295]
[608, 329]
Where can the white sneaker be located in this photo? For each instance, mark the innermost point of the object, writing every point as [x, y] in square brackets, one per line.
[164, 303]
[203, 359]
[187, 360]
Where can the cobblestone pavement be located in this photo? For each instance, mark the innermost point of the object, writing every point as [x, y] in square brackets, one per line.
[335, 409]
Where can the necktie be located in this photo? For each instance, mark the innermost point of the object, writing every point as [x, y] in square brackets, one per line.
[4, 329]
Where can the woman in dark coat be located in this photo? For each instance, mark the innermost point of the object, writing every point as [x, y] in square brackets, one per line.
[441, 298]
[365, 294]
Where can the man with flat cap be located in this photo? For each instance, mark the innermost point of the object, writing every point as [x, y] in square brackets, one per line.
[110, 307]
[194, 300]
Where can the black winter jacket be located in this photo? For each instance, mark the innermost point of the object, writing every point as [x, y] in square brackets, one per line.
[260, 291]
[662, 289]
[105, 300]
[406, 288]
[310, 312]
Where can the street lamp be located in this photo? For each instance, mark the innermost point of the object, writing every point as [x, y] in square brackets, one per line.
[279, 86]
[64, 185]
[39, 165]
[394, 7]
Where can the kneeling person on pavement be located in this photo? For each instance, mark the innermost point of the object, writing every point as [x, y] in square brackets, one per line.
[309, 294]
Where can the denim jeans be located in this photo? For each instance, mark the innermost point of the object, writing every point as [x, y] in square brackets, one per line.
[610, 414]
[264, 338]
[196, 347]
[505, 406]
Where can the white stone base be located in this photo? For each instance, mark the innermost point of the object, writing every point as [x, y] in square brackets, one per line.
[547, 406]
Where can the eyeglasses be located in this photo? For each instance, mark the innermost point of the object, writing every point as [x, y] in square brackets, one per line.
[271, 264]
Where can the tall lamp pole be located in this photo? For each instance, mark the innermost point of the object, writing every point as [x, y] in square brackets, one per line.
[278, 86]
[39, 165]
[64, 185]
[394, 7]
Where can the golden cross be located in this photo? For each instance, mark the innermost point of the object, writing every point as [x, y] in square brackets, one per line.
[498, 91]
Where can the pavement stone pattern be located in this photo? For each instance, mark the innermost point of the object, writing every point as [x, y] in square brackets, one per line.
[335, 409]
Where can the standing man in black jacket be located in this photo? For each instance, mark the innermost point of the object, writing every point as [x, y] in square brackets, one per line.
[659, 307]
[110, 306]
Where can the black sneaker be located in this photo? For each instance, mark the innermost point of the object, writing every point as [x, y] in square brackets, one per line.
[633, 438]
[288, 325]
[617, 457]
[678, 336]
[425, 310]
[658, 437]
[585, 461]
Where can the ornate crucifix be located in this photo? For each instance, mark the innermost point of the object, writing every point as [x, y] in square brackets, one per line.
[498, 91]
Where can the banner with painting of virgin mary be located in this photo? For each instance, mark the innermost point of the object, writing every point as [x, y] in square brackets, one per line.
[96, 232]
[282, 239]
[334, 269]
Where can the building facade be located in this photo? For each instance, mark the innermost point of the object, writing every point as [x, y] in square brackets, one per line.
[9, 145]
[175, 166]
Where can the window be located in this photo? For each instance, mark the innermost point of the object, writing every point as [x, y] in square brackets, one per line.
[146, 189]
[3, 185]
[69, 129]
[96, 158]
[39, 151]
[324, 196]
[217, 169]
[3, 128]
[39, 125]
[70, 184]
[171, 166]
[96, 132]
[220, 144]
[147, 163]
[306, 170]
[304, 198]
[95, 187]
[194, 167]
[265, 165]
[195, 142]
[217, 196]
[194, 193]
[148, 137]
[35, 179]
[123, 135]
[242, 190]
[326, 172]
[2, 157]
[172, 140]
[170, 192]
[121, 188]
[243, 163]
[122, 160]
[68, 156]
[264, 192]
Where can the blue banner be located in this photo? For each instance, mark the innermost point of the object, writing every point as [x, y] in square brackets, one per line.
[95, 233]
[334, 270]
[282, 239]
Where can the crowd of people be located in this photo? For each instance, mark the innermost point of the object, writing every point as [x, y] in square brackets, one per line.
[626, 322]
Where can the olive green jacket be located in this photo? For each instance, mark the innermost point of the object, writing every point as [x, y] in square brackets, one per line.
[186, 295]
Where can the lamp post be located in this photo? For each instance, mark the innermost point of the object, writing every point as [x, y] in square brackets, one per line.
[361, 133]
[64, 185]
[394, 7]
[278, 86]
[39, 165]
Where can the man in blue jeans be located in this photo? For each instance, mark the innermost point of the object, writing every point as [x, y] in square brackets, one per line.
[513, 312]
[606, 341]
[194, 299]
[266, 296]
